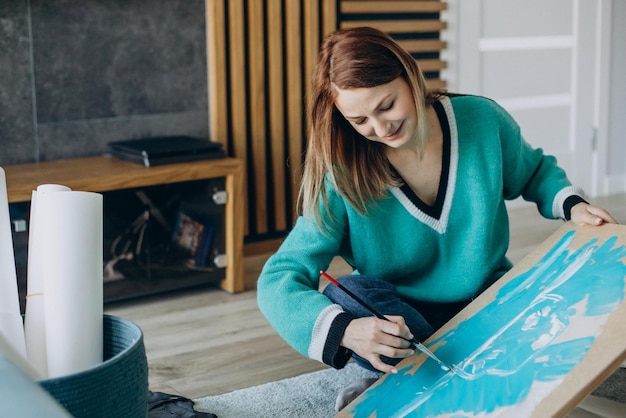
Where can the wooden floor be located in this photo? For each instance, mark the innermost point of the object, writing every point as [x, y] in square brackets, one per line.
[206, 341]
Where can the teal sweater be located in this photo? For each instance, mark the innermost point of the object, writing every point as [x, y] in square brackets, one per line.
[447, 252]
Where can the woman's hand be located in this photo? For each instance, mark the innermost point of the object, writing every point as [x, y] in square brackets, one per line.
[371, 338]
[585, 214]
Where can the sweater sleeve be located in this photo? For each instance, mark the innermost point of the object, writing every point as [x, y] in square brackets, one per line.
[569, 203]
[288, 288]
[334, 354]
[532, 174]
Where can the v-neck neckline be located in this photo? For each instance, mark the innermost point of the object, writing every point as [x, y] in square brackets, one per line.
[436, 215]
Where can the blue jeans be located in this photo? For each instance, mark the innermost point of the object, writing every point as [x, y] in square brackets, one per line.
[421, 318]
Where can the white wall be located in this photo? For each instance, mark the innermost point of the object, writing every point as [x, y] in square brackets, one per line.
[609, 172]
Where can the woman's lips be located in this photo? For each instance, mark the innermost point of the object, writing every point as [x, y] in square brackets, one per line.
[395, 134]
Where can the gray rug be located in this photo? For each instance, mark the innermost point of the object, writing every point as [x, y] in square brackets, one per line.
[313, 395]
[310, 395]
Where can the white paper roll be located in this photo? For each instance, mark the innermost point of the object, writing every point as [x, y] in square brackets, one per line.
[8, 350]
[11, 324]
[34, 318]
[72, 239]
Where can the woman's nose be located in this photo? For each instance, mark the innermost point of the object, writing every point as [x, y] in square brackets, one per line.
[380, 127]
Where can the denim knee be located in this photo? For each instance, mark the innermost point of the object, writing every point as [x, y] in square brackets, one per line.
[383, 297]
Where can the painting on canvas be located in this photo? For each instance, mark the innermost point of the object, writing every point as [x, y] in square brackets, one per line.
[533, 345]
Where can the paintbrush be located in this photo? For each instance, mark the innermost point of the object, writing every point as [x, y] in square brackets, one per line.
[414, 343]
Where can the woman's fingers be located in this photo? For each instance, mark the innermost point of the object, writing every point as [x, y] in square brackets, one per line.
[585, 214]
[372, 338]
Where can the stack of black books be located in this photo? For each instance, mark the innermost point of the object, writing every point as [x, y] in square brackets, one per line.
[166, 150]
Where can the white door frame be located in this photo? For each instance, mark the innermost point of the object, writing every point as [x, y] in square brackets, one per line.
[603, 184]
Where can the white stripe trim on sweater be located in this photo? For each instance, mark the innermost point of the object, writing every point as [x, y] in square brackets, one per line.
[561, 196]
[440, 225]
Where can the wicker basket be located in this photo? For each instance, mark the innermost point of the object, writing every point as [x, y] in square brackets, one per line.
[116, 388]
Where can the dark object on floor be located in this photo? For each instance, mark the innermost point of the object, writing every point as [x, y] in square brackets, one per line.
[163, 405]
[614, 387]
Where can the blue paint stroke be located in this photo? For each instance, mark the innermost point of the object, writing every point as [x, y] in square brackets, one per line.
[516, 344]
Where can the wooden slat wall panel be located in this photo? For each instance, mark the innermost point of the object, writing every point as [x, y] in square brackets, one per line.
[380, 7]
[432, 65]
[261, 55]
[237, 92]
[295, 105]
[329, 17]
[218, 113]
[256, 48]
[423, 45]
[397, 26]
[276, 52]
[416, 25]
[435, 83]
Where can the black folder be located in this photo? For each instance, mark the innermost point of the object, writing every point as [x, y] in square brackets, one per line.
[166, 150]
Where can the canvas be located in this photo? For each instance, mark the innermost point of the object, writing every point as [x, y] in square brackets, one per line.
[533, 345]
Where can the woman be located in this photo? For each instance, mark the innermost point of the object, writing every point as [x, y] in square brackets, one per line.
[409, 187]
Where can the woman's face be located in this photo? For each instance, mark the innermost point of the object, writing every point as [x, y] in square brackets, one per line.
[384, 113]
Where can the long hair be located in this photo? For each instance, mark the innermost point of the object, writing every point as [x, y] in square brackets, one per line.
[358, 168]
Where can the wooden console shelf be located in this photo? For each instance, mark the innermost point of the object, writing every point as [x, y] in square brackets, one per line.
[106, 173]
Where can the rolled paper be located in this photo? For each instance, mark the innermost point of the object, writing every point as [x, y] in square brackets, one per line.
[34, 318]
[71, 228]
[11, 323]
[8, 351]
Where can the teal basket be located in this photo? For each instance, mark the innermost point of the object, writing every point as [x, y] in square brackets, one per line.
[116, 388]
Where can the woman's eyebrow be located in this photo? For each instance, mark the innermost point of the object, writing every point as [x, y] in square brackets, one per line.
[384, 99]
[378, 106]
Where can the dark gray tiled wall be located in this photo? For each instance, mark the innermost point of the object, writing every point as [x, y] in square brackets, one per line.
[76, 74]
[17, 130]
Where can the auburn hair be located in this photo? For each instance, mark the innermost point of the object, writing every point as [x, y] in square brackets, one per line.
[358, 168]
